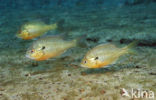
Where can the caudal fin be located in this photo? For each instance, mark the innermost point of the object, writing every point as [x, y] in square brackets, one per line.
[53, 26]
[128, 48]
[80, 41]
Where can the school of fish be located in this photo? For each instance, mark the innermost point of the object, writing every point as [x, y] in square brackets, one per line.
[52, 46]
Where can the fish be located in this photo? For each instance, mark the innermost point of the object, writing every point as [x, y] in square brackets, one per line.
[49, 47]
[104, 55]
[32, 30]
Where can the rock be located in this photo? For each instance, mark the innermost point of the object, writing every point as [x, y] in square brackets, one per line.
[152, 73]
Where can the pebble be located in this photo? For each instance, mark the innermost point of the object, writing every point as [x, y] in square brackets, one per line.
[82, 90]
[137, 66]
[152, 73]
[40, 78]
[27, 75]
[69, 74]
[102, 91]
[83, 73]
[1, 89]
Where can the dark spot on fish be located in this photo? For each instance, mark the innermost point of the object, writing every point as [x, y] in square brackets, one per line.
[43, 47]
[96, 58]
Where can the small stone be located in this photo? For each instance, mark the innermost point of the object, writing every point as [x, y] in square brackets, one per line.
[1, 89]
[137, 66]
[69, 74]
[102, 91]
[40, 78]
[82, 90]
[27, 75]
[83, 73]
[152, 73]
[34, 64]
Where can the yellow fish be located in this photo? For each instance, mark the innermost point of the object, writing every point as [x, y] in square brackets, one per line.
[104, 55]
[49, 47]
[34, 29]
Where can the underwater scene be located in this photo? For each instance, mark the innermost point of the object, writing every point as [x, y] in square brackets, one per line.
[77, 49]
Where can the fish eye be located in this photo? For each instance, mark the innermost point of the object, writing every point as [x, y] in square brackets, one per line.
[32, 51]
[96, 58]
[85, 61]
[43, 48]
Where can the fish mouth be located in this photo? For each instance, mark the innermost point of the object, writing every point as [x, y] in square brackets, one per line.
[83, 66]
[28, 56]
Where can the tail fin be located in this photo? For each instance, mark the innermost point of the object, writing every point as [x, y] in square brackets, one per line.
[74, 42]
[80, 41]
[127, 49]
[53, 26]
